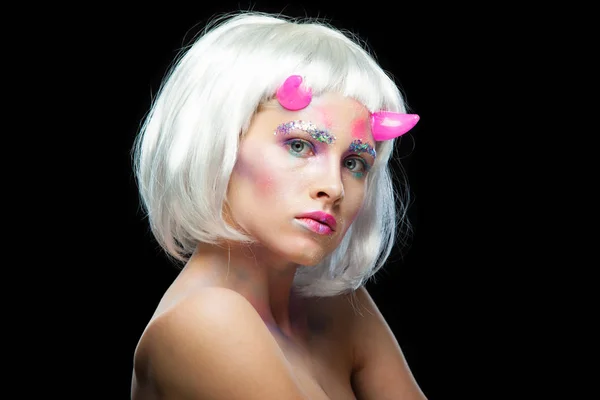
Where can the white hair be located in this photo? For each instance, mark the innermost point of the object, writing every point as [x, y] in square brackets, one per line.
[187, 146]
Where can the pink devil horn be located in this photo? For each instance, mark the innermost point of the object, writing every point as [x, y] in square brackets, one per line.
[387, 125]
[292, 96]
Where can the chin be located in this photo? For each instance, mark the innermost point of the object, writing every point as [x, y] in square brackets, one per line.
[309, 262]
[299, 249]
[310, 255]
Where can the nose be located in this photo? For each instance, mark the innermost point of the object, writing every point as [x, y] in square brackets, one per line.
[328, 186]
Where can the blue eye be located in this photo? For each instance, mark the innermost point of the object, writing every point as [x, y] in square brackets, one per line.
[357, 166]
[298, 147]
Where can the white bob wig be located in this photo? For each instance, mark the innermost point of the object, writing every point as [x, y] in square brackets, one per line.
[188, 143]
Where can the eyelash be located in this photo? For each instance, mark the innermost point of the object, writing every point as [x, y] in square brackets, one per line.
[358, 174]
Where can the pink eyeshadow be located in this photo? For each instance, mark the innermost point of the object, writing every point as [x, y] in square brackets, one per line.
[359, 128]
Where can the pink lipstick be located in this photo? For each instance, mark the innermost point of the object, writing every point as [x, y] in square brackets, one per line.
[318, 222]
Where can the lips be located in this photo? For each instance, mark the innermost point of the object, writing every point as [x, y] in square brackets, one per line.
[321, 217]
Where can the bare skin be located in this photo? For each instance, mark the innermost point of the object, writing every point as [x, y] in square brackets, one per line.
[334, 348]
[304, 338]
[231, 326]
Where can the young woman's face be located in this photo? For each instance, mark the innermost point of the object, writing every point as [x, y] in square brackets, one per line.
[294, 163]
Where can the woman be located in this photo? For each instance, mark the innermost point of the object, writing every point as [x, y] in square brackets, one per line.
[263, 168]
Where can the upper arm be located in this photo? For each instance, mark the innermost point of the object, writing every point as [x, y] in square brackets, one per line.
[381, 371]
[214, 346]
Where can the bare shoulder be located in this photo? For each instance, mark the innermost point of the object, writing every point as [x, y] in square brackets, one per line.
[380, 369]
[204, 344]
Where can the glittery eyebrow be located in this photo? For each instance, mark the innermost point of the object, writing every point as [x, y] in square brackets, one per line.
[308, 127]
[358, 146]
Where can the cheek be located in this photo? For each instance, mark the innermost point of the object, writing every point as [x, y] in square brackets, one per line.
[264, 181]
[354, 212]
[355, 195]
[260, 175]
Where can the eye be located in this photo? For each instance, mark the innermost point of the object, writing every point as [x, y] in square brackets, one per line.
[299, 147]
[356, 165]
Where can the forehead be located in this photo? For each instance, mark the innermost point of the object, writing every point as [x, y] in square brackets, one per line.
[342, 116]
[333, 109]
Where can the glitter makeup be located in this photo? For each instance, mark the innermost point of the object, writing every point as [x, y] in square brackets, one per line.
[358, 146]
[318, 134]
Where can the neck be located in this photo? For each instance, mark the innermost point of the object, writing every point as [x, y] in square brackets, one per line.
[265, 281]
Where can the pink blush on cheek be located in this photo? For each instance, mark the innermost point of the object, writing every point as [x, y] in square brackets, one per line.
[267, 180]
[261, 178]
[254, 173]
[264, 182]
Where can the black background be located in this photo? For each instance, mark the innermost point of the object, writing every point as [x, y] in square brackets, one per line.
[441, 297]
[406, 290]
